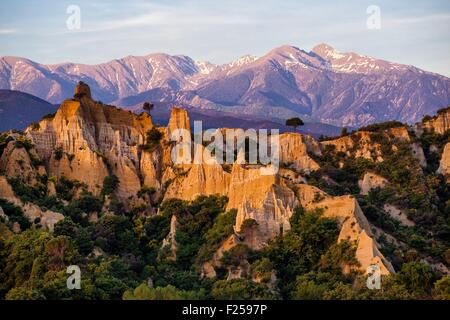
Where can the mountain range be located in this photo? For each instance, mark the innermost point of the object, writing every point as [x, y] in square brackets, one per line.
[323, 85]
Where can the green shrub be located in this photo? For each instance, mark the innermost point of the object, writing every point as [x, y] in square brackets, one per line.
[152, 140]
[59, 152]
[5, 138]
[49, 116]
[15, 214]
[27, 193]
[417, 277]
[35, 126]
[144, 292]
[146, 190]
[382, 126]
[223, 227]
[240, 289]
[66, 188]
[110, 184]
[22, 142]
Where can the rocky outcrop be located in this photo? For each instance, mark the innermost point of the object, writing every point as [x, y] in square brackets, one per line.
[239, 272]
[291, 176]
[366, 144]
[178, 120]
[82, 89]
[398, 215]
[264, 198]
[354, 228]
[261, 197]
[208, 267]
[358, 145]
[371, 181]
[439, 123]
[418, 153]
[16, 162]
[400, 133]
[3, 215]
[272, 218]
[201, 179]
[444, 165]
[307, 194]
[170, 239]
[88, 141]
[294, 151]
[151, 168]
[47, 218]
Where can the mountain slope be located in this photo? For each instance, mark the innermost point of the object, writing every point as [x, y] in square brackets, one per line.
[18, 109]
[335, 88]
[164, 99]
[323, 85]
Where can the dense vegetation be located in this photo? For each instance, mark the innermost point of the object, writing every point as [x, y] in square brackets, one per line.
[124, 254]
[421, 194]
[123, 257]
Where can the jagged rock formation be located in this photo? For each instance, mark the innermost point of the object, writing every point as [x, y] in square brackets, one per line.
[82, 89]
[208, 267]
[294, 151]
[371, 181]
[2, 214]
[439, 123]
[444, 165]
[398, 215]
[265, 202]
[359, 145]
[151, 168]
[88, 141]
[365, 144]
[201, 179]
[48, 218]
[178, 120]
[17, 162]
[264, 198]
[170, 239]
[354, 225]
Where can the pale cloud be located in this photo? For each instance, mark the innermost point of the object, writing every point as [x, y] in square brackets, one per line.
[412, 31]
[434, 18]
[7, 31]
[160, 16]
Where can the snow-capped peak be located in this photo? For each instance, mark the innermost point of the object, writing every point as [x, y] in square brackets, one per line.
[350, 62]
[205, 67]
[243, 61]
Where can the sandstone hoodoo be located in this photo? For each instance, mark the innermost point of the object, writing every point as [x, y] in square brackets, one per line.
[371, 181]
[88, 141]
[108, 178]
[440, 123]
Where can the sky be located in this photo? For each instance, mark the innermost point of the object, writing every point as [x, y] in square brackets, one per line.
[414, 32]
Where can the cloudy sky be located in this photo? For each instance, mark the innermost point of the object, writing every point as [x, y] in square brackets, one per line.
[412, 32]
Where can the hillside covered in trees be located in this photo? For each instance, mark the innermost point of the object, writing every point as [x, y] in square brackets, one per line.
[92, 186]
